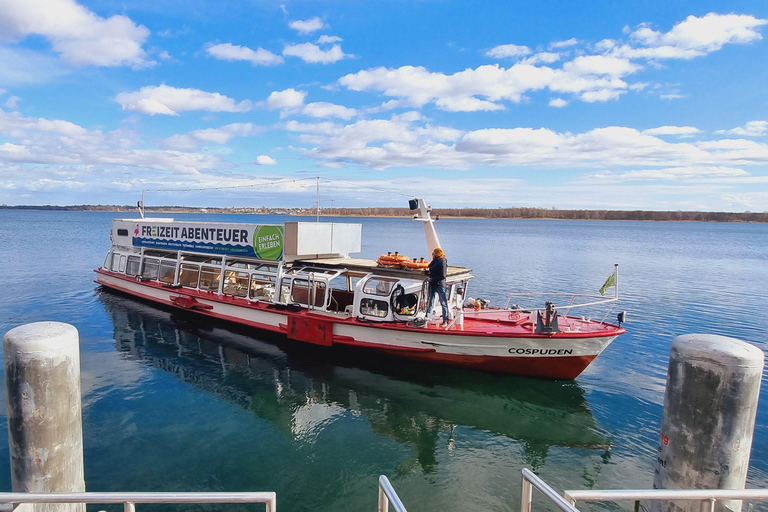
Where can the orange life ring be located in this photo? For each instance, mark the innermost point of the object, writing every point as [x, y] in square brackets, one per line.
[416, 264]
[390, 259]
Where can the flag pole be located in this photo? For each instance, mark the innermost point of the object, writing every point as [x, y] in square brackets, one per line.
[616, 271]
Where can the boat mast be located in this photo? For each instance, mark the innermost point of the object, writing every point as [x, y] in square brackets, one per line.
[423, 215]
[141, 204]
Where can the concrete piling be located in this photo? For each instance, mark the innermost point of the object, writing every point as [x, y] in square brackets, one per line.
[45, 432]
[710, 405]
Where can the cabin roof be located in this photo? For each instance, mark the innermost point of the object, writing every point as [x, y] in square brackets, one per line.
[366, 266]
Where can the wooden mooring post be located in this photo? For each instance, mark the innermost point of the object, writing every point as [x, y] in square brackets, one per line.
[45, 428]
[710, 404]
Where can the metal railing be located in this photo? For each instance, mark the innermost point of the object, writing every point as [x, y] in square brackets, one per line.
[567, 502]
[708, 497]
[529, 482]
[386, 495]
[130, 499]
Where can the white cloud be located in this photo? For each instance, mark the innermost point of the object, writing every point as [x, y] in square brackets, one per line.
[57, 144]
[307, 26]
[291, 101]
[751, 129]
[703, 35]
[313, 54]
[81, 37]
[265, 160]
[542, 58]
[12, 102]
[564, 44]
[259, 57]
[191, 141]
[592, 78]
[508, 50]
[329, 39]
[596, 74]
[557, 102]
[164, 99]
[412, 141]
[671, 173]
[323, 109]
[285, 100]
[680, 131]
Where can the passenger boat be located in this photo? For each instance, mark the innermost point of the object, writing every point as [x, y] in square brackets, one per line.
[298, 279]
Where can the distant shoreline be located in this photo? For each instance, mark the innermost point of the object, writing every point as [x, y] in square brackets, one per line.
[476, 213]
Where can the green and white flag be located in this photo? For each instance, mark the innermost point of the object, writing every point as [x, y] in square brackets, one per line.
[611, 281]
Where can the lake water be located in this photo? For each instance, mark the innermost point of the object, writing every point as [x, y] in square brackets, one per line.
[173, 404]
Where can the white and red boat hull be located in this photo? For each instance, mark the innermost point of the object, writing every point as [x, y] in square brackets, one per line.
[486, 345]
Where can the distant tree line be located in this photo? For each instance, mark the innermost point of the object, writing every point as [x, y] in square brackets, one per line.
[483, 213]
[544, 213]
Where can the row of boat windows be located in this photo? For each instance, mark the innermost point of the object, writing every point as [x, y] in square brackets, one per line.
[239, 283]
[257, 281]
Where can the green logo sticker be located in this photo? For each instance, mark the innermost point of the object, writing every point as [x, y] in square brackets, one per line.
[268, 242]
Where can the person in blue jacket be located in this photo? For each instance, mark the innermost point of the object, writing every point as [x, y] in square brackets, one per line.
[437, 272]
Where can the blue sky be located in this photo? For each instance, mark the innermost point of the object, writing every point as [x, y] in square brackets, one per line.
[597, 105]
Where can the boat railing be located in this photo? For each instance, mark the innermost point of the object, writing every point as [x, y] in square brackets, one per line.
[567, 502]
[388, 495]
[510, 307]
[571, 304]
[130, 499]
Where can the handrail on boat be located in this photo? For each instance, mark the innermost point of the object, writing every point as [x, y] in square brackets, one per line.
[601, 298]
[387, 494]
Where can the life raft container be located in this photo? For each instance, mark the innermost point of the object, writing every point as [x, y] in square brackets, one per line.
[416, 264]
[392, 260]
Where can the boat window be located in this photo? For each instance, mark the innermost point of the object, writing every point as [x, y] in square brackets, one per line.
[236, 283]
[379, 286]
[373, 307]
[210, 278]
[115, 262]
[263, 287]
[122, 263]
[122, 232]
[132, 267]
[107, 260]
[150, 268]
[303, 293]
[188, 275]
[167, 271]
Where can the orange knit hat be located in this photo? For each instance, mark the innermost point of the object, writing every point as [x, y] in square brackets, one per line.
[439, 253]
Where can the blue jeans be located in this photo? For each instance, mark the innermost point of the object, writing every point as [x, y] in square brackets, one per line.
[442, 293]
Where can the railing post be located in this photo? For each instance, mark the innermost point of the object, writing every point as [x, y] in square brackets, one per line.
[527, 498]
[45, 428]
[272, 504]
[129, 507]
[383, 501]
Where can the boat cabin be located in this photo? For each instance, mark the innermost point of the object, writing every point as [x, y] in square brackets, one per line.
[296, 265]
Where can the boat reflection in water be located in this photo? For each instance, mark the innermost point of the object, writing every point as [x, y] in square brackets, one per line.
[302, 391]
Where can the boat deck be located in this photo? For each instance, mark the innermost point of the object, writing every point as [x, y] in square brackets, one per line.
[367, 266]
[521, 322]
